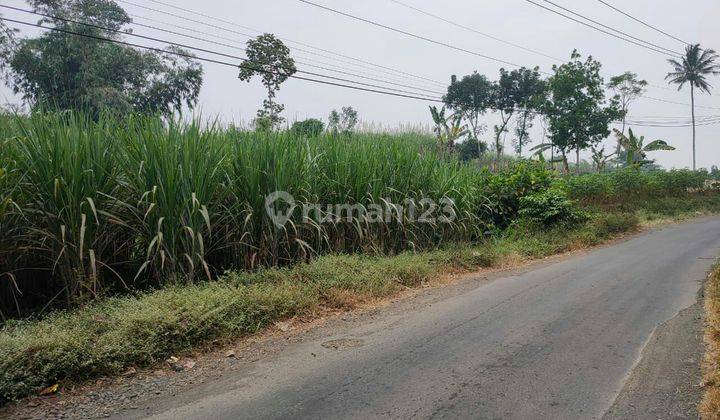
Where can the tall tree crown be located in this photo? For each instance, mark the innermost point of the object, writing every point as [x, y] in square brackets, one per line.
[694, 67]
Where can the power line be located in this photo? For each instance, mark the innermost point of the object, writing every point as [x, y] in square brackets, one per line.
[642, 22]
[354, 59]
[615, 35]
[654, 125]
[333, 67]
[410, 34]
[467, 28]
[611, 28]
[210, 60]
[118, 31]
[678, 103]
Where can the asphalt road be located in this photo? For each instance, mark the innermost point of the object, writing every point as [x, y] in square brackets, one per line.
[567, 339]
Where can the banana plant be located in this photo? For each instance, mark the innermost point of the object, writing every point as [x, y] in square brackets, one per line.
[600, 159]
[448, 129]
[636, 150]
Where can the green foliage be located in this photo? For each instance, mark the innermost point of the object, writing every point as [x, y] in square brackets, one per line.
[628, 88]
[471, 149]
[694, 68]
[635, 150]
[65, 71]
[343, 122]
[549, 208]
[507, 188]
[107, 205]
[577, 112]
[309, 128]
[448, 129]
[471, 97]
[269, 58]
[521, 90]
[633, 183]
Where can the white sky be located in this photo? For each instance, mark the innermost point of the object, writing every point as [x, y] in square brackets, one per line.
[514, 20]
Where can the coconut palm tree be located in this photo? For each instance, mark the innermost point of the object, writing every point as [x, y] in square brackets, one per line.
[694, 68]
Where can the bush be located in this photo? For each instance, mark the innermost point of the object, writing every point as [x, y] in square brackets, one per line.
[632, 183]
[505, 189]
[470, 149]
[548, 208]
[310, 128]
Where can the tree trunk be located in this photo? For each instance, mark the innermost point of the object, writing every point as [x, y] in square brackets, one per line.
[577, 164]
[692, 105]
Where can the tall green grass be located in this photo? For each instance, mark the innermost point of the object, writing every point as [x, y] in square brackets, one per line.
[92, 207]
[99, 206]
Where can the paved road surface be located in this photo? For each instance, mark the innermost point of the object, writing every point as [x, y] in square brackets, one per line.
[559, 341]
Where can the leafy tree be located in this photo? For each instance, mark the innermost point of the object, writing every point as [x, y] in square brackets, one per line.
[7, 44]
[471, 97]
[577, 111]
[635, 149]
[344, 121]
[504, 97]
[310, 127]
[715, 172]
[470, 149]
[66, 71]
[628, 88]
[694, 68]
[269, 58]
[520, 91]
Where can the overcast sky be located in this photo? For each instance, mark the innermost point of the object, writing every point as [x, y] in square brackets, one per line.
[516, 21]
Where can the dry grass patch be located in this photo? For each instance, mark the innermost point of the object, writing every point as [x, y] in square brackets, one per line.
[710, 405]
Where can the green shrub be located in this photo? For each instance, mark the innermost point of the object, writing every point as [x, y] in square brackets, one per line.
[549, 208]
[632, 183]
[506, 189]
[309, 128]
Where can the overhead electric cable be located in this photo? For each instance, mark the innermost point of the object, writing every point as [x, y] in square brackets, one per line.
[413, 35]
[204, 50]
[561, 7]
[615, 35]
[355, 59]
[210, 60]
[643, 22]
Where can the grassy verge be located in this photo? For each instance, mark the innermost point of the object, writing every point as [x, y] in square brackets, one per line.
[107, 337]
[710, 405]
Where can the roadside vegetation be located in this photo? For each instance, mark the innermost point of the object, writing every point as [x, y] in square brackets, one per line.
[130, 232]
[132, 240]
[710, 405]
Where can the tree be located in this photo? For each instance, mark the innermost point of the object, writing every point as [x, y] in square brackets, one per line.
[470, 149]
[530, 94]
[310, 128]
[504, 98]
[344, 121]
[694, 68]
[472, 96]
[65, 71]
[269, 58]
[635, 149]
[7, 45]
[577, 111]
[628, 88]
